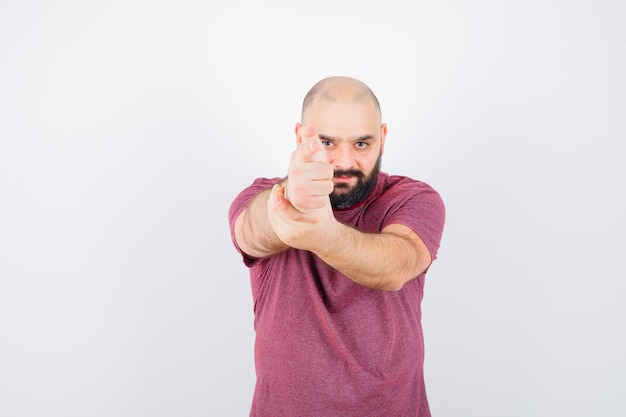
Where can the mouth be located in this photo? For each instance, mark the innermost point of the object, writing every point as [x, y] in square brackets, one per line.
[343, 178]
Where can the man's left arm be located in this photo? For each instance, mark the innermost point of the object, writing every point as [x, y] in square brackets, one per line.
[384, 261]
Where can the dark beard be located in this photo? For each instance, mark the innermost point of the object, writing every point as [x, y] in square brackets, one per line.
[343, 196]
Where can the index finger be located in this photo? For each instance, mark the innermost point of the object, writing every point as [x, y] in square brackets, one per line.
[311, 148]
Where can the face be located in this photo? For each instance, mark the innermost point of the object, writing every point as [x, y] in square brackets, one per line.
[354, 140]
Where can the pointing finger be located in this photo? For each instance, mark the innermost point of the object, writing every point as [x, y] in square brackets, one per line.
[311, 147]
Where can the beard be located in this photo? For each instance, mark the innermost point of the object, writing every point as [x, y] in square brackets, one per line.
[344, 195]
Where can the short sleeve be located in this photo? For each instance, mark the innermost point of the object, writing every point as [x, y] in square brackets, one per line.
[240, 203]
[419, 207]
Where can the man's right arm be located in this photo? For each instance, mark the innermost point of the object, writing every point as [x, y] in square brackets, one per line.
[253, 232]
[311, 181]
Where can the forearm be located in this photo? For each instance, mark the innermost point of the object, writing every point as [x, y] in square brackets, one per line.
[253, 232]
[384, 261]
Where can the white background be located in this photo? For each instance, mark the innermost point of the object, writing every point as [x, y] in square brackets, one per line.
[127, 128]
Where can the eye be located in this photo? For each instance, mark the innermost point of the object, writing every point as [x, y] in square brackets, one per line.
[327, 143]
[361, 145]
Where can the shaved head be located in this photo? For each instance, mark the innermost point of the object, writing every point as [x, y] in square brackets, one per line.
[347, 116]
[333, 89]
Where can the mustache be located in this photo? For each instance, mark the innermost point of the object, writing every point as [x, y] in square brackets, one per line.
[349, 173]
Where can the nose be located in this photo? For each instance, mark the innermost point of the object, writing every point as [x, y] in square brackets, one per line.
[343, 158]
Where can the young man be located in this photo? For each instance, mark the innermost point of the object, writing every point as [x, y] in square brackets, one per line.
[338, 252]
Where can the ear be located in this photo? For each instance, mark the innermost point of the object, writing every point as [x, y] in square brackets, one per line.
[383, 135]
[298, 131]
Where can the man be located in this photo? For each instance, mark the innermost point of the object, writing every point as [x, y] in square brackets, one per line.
[338, 252]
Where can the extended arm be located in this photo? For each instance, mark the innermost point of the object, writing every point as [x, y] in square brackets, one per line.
[309, 183]
[384, 261]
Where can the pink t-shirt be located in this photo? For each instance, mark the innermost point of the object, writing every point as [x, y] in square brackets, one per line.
[328, 347]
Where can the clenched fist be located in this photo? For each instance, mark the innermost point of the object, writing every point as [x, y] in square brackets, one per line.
[299, 211]
[310, 177]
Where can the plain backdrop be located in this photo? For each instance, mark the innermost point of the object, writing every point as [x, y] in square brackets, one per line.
[127, 128]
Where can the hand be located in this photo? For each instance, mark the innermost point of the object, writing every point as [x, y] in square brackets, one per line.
[309, 231]
[310, 178]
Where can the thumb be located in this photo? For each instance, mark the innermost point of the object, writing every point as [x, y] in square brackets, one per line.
[277, 195]
[311, 146]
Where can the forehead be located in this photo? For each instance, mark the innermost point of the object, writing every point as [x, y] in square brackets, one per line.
[343, 112]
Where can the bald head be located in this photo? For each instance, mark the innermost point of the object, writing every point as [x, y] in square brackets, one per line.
[337, 88]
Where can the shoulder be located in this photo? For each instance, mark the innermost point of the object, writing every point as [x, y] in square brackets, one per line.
[256, 186]
[262, 183]
[242, 199]
[403, 187]
[408, 198]
[415, 204]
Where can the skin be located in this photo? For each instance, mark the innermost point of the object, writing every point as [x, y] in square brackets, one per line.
[340, 130]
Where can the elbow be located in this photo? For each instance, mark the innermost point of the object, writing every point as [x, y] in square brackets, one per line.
[402, 275]
[394, 283]
[395, 288]
[397, 285]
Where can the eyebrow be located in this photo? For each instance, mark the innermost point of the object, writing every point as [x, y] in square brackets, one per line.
[363, 138]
